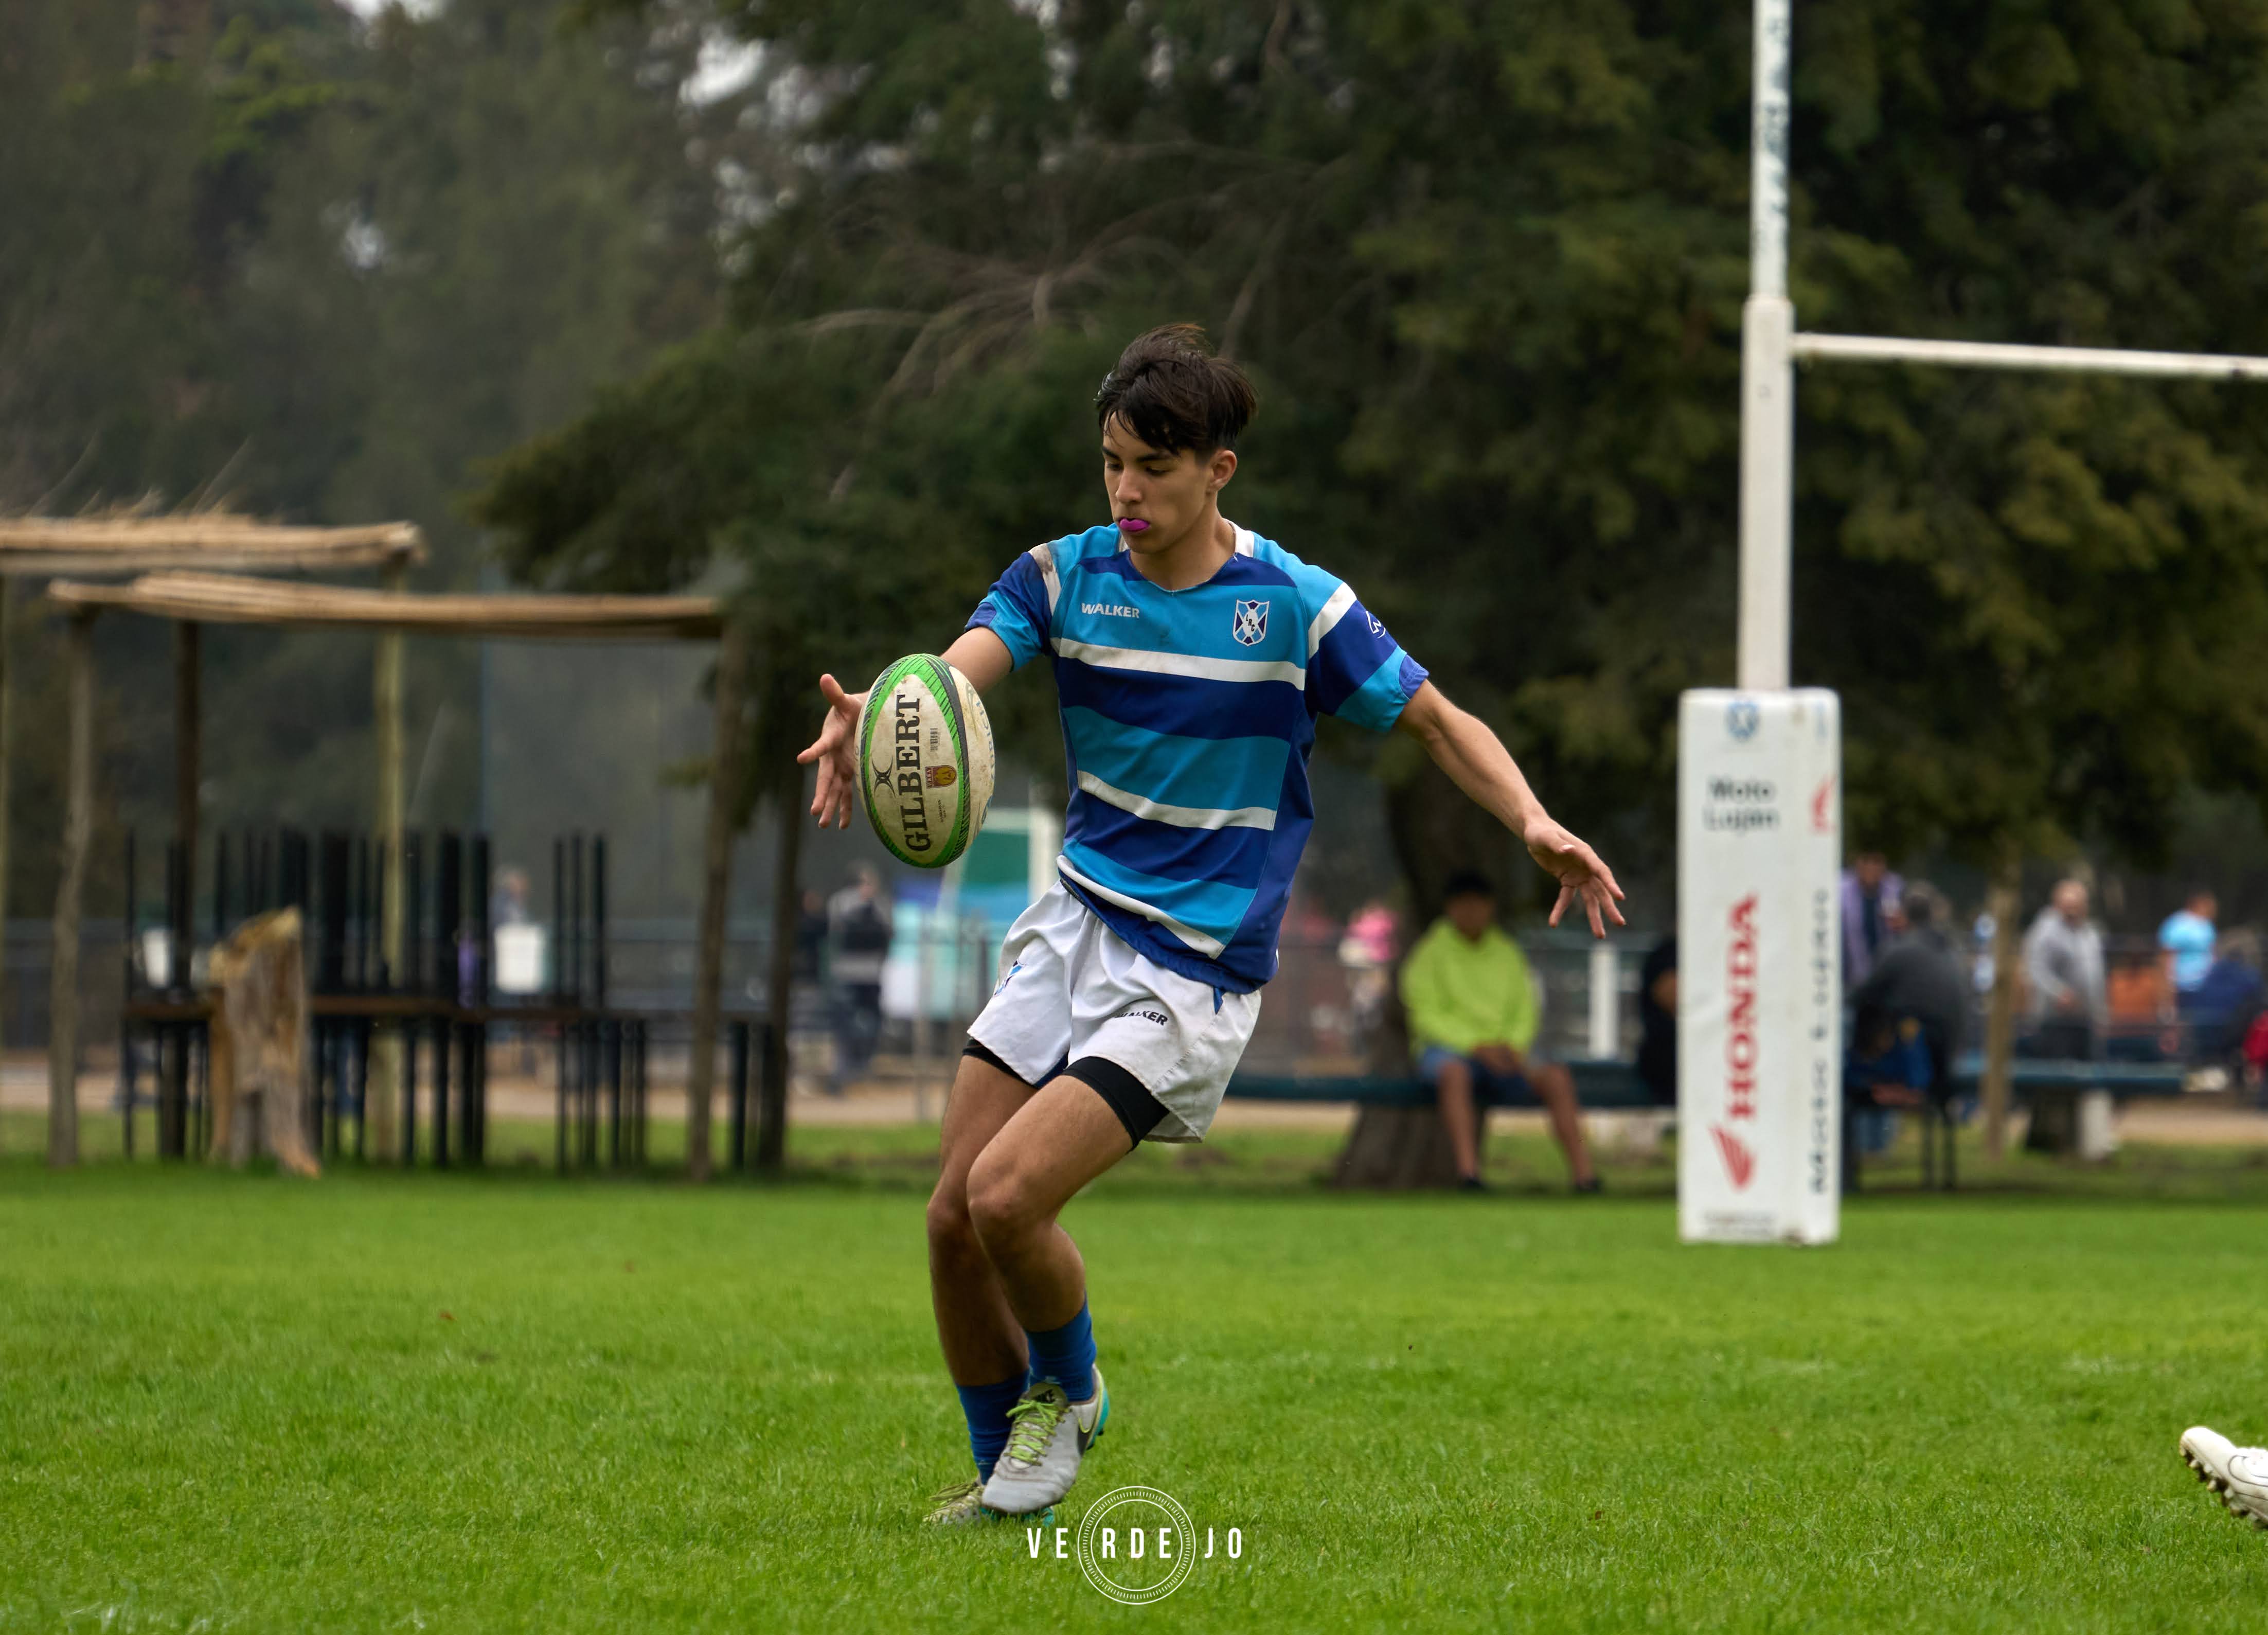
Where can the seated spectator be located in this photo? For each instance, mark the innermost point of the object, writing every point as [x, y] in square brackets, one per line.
[1919, 979]
[1473, 1018]
[1657, 1015]
[2222, 1006]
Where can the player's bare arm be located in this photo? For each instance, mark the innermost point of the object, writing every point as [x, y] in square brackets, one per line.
[977, 654]
[1477, 763]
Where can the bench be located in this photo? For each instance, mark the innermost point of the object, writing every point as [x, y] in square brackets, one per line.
[2045, 1083]
[1398, 1149]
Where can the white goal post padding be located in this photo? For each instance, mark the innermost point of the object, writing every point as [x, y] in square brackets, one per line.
[1759, 966]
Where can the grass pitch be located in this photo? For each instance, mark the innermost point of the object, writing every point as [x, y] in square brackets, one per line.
[442, 1403]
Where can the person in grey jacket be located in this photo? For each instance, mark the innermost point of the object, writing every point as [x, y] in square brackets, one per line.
[2062, 967]
[1918, 979]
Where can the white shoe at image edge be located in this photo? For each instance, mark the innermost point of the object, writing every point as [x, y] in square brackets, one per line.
[2239, 1475]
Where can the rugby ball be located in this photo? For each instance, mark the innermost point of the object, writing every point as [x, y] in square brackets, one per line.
[926, 748]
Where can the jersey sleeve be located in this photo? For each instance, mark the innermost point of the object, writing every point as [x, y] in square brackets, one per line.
[1355, 670]
[1020, 605]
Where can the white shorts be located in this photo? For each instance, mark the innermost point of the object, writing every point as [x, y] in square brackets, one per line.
[1071, 990]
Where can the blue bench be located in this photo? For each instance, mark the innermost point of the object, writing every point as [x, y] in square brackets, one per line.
[1602, 1083]
[1606, 1084]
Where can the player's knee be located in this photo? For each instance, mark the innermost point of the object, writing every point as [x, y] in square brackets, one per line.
[1002, 1207]
[949, 1226]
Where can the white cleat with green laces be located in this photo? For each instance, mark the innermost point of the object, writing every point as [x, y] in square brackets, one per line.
[2238, 1476]
[1047, 1434]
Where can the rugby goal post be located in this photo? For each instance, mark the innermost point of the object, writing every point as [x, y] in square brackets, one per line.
[1759, 848]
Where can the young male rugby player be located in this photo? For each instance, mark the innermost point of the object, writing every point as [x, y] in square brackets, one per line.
[1192, 657]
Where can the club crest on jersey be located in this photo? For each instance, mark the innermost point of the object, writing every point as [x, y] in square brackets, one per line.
[1250, 625]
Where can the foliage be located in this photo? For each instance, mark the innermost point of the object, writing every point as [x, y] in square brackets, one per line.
[1486, 263]
[319, 266]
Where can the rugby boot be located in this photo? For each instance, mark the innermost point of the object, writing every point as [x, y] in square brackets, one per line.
[2237, 1475]
[1047, 1434]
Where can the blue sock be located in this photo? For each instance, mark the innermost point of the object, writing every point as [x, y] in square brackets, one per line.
[987, 1408]
[1066, 1355]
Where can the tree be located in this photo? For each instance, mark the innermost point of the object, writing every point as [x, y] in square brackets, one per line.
[1486, 263]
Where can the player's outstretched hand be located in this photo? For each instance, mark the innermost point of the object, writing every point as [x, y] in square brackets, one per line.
[1582, 876]
[836, 751]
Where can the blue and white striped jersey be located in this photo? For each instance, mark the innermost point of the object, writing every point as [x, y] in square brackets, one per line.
[1187, 717]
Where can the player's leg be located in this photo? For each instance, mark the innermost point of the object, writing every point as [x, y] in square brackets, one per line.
[1017, 1042]
[982, 1342]
[1555, 1087]
[1150, 1057]
[977, 1329]
[1453, 1098]
[1062, 1138]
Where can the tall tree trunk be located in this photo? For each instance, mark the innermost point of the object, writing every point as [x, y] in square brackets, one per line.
[2001, 901]
[78, 824]
[716, 884]
[787, 907]
[1436, 832]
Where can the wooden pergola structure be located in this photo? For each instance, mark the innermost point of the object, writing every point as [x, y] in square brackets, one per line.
[132, 542]
[191, 598]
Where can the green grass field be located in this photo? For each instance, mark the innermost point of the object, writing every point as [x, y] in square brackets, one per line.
[506, 1403]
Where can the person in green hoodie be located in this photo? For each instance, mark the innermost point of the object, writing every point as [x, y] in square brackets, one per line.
[1473, 1016]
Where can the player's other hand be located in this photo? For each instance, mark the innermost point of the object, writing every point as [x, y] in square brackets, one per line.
[836, 751]
[1583, 878]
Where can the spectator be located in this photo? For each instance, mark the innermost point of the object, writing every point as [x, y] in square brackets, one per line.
[859, 927]
[1473, 1018]
[2187, 939]
[1870, 901]
[2222, 1006]
[1918, 979]
[508, 900]
[2063, 964]
[1657, 1017]
[811, 936]
[2187, 942]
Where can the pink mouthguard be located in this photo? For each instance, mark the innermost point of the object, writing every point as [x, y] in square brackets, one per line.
[1132, 524]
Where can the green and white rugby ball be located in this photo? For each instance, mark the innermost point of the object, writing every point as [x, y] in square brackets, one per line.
[927, 750]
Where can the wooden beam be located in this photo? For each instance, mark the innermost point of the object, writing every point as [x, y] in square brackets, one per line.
[222, 599]
[188, 773]
[47, 546]
[716, 889]
[78, 825]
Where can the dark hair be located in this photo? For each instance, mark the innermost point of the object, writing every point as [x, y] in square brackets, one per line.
[1172, 393]
[1468, 883]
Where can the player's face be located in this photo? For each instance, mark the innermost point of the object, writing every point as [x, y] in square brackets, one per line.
[1157, 496]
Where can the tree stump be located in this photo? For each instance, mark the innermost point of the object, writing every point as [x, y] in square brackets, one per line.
[259, 1045]
[1396, 1149]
